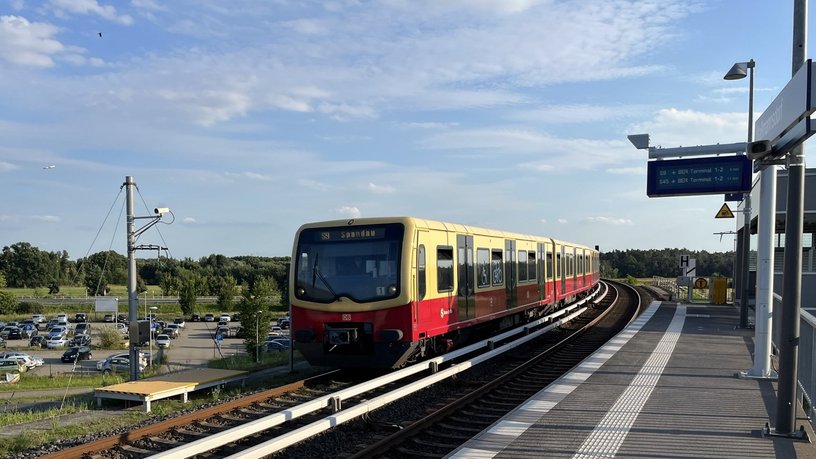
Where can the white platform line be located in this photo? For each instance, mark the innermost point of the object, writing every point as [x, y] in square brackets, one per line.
[543, 401]
[610, 433]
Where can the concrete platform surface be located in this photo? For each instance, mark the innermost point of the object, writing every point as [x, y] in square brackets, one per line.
[665, 387]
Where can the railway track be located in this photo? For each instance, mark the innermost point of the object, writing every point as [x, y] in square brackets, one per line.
[446, 428]
[289, 413]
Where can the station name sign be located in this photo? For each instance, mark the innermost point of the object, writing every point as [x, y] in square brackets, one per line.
[698, 176]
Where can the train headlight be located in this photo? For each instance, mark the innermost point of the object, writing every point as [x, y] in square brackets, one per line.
[301, 291]
[392, 289]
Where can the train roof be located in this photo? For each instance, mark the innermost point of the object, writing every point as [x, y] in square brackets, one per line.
[437, 225]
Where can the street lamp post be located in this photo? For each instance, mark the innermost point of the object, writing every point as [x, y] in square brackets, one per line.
[738, 71]
[765, 233]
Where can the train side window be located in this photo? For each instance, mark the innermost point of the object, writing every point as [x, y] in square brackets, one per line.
[522, 265]
[498, 267]
[558, 266]
[421, 271]
[550, 270]
[531, 265]
[483, 267]
[444, 268]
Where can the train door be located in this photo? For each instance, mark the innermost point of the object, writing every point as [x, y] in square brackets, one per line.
[510, 273]
[550, 286]
[562, 272]
[542, 278]
[574, 268]
[584, 267]
[466, 301]
[421, 282]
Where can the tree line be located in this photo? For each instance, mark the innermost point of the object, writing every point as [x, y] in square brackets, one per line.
[25, 266]
[664, 263]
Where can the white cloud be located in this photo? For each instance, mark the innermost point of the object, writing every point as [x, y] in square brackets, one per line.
[7, 167]
[671, 127]
[381, 188]
[28, 43]
[86, 7]
[349, 211]
[627, 170]
[562, 221]
[579, 113]
[609, 220]
[543, 220]
[189, 221]
[46, 218]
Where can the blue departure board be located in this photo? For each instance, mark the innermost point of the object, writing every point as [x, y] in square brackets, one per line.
[695, 176]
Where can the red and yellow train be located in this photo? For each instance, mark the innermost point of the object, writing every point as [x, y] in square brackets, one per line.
[384, 292]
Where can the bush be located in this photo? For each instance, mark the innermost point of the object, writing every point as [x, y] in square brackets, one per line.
[30, 307]
[8, 303]
[109, 338]
[631, 280]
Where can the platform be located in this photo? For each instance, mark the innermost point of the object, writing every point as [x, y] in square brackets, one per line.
[170, 385]
[664, 387]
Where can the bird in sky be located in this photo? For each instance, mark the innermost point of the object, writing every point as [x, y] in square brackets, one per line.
[50, 166]
[100, 34]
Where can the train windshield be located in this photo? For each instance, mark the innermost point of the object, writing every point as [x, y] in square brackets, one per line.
[360, 263]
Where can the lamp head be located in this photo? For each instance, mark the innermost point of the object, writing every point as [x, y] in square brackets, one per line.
[738, 71]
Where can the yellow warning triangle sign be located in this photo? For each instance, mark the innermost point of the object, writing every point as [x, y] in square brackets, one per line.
[725, 212]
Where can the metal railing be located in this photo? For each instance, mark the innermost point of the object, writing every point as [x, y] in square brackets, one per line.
[807, 353]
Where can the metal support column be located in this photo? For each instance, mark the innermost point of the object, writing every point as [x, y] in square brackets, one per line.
[792, 282]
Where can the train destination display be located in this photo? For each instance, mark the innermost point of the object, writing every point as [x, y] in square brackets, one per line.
[696, 176]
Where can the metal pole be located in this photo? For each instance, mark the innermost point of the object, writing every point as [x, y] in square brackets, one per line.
[746, 253]
[792, 282]
[133, 300]
[765, 258]
[257, 338]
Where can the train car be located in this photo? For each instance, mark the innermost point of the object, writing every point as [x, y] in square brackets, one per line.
[385, 292]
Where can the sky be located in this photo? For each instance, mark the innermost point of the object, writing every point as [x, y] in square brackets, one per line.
[250, 118]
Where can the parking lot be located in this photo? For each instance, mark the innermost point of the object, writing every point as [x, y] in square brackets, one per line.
[193, 348]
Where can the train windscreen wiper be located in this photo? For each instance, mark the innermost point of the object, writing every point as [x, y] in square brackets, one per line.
[317, 274]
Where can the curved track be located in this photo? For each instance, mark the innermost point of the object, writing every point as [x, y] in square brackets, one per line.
[521, 375]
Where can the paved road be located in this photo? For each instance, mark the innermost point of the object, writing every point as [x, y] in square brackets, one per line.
[194, 348]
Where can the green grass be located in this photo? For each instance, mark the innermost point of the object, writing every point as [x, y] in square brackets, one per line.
[32, 382]
[60, 429]
[78, 292]
[245, 362]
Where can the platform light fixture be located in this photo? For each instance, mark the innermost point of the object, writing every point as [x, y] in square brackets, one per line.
[739, 71]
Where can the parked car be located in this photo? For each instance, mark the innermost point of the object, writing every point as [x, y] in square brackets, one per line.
[4, 333]
[30, 331]
[119, 365]
[11, 366]
[83, 328]
[38, 318]
[224, 317]
[34, 361]
[11, 333]
[163, 340]
[51, 324]
[63, 317]
[275, 346]
[122, 318]
[195, 318]
[173, 333]
[76, 354]
[236, 317]
[2, 342]
[24, 359]
[209, 317]
[143, 357]
[180, 322]
[108, 318]
[80, 340]
[80, 317]
[61, 332]
[56, 342]
[38, 341]
[275, 331]
[222, 330]
[282, 319]
[284, 324]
